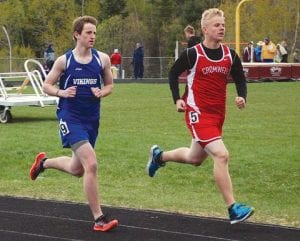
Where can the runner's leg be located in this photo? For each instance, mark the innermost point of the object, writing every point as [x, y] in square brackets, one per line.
[218, 152]
[87, 156]
[193, 155]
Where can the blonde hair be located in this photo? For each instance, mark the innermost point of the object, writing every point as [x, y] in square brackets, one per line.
[209, 14]
[189, 29]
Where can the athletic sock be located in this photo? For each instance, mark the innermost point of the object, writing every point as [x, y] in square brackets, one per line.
[42, 164]
[99, 218]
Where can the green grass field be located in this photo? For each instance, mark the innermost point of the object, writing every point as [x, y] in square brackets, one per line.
[263, 141]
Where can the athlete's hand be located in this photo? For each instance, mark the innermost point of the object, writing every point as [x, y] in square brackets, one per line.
[240, 102]
[97, 92]
[181, 106]
[68, 93]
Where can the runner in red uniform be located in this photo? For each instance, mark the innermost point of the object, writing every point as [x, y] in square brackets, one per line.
[209, 64]
[206, 98]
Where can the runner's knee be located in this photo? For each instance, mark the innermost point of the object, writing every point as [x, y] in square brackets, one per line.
[91, 167]
[222, 158]
[78, 173]
[196, 161]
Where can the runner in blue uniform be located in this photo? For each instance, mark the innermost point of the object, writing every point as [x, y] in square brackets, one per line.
[80, 72]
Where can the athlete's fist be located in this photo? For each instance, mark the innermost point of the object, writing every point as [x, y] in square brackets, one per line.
[97, 92]
[181, 106]
[68, 93]
[240, 102]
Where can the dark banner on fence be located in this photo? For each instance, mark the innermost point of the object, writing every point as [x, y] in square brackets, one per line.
[266, 71]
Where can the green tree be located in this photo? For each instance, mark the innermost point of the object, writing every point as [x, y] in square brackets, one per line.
[110, 8]
[193, 9]
[32, 24]
[12, 17]
[260, 18]
[161, 16]
[49, 24]
[110, 35]
[91, 8]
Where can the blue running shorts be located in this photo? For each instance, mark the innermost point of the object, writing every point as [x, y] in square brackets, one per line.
[72, 132]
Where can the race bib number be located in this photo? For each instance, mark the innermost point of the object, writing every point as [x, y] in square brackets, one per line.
[194, 117]
[63, 127]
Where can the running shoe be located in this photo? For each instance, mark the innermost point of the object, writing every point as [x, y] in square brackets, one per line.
[239, 212]
[103, 224]
[37, 167]
[154, 161]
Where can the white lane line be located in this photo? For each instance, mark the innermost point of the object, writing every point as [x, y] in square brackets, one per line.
[121, 225]
[153, 212]
[38, 235]
[180, 233]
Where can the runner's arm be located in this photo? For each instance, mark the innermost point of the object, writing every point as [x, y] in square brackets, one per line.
[107, 79]
[49, 85]
[238, 76]
[184, 62]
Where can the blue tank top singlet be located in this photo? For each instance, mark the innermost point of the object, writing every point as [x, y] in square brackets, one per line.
[84, 106]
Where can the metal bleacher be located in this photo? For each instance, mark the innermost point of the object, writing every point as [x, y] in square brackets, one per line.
[14, 96]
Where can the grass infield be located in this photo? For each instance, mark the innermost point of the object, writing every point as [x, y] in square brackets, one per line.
[263, 141]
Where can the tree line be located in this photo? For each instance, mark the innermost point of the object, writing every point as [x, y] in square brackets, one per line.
[157, 24]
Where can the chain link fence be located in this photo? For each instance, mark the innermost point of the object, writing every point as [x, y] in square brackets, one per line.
[14, 65]
[154, 67]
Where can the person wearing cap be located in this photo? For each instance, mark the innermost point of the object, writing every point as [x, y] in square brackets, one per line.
[268, 51]
[116, 60]
[248, 52]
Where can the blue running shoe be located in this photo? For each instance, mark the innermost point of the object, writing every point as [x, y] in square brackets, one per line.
[239, 212]
[154, 161]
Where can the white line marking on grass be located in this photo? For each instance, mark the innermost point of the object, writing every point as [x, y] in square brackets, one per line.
[121, 225]
[39, 235]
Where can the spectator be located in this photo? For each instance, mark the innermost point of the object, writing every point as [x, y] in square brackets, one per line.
[268, 51]
[282, 52]
[116, 60]
[296, 56]
[248, 52]
[49, 56]
[192, 39]
[138, 61]
[257, 51]
[277, 58]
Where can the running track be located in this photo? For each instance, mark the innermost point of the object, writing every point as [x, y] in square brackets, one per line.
[41, 220]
